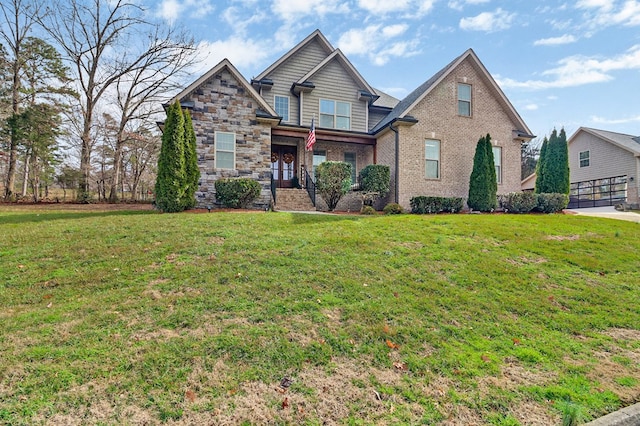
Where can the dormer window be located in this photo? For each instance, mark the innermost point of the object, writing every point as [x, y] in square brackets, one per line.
[335, 114]
[464, 100]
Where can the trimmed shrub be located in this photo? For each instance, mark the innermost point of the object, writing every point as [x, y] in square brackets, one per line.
[237, 193]
[333, 180]
[552, 203]
[375, 178]
[368, 210]
[519, 202]
[483, 183]
[393, 208]
[432, 205]
[192, 172]
[170, 181]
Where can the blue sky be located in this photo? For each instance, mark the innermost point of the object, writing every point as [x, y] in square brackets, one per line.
[562, 64]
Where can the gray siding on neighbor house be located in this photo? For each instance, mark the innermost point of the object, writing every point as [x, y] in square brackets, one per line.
[334, 83]
[290, 71]
[605, 160]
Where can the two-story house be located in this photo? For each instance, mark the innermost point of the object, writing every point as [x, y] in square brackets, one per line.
[258, 128]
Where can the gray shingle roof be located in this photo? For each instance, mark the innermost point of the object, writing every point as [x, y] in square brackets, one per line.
[629, 142]
[405, 103]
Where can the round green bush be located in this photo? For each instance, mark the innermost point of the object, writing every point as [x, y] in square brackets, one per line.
[237, 193]
[393, 208]
[368, 210]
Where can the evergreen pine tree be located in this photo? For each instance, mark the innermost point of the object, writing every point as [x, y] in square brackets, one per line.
[192, 172]
[540, 166]
[550, 168]
[483, 184]
[170, 181]
[563, 185]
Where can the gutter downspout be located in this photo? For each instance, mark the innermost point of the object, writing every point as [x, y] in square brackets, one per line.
[397, 171]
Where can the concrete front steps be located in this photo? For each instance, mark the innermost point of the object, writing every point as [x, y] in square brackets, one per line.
[293, 199]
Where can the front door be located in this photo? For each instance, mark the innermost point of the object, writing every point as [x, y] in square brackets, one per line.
[283, 165]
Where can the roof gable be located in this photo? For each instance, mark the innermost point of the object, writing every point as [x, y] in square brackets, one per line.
[316, 36]
[627, 142]
[339, 57]
[404, 107]
[225, 63]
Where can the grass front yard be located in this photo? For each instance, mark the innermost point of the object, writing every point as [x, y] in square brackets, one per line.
[252, 318]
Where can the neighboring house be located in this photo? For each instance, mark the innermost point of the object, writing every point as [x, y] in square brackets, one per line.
[258, 129]
[604, 168]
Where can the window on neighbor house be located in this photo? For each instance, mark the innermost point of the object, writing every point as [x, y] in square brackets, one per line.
[319, 157]
[281, 104]
[432, 158]
[335, 114]
[464, 99]
[350, 157]
[225, 143]
[497, 161]
[584, 158]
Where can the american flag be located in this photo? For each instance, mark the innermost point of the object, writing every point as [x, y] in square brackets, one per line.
[311, 139]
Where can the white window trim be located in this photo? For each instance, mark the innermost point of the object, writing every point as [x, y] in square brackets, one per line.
[439, 160]
[224, 150]
[335, 112]
[286, 119]
[588, 159]
[498, 167]
[470, 101]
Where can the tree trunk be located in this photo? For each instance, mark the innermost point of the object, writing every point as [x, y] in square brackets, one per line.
[25, 181]
[117, 167]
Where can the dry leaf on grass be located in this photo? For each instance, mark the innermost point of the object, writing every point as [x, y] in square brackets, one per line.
[191, 396]
[392, 345]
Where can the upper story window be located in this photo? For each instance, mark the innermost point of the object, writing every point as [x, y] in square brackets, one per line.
[335, 114]
[497, 162]
[584, 158]
[281, 104]
[464, 99]
[225, 143]
[432, 159]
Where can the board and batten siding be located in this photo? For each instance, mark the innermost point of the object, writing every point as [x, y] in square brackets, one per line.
[334, 83]
[294, 68]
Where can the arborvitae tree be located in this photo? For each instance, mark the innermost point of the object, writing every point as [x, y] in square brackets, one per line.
[170, 181]
[549, 170]
[483, 184]
[563, 182]
[192, 172]
[540, 166]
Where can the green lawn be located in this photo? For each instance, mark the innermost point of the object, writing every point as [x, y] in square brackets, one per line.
[133, 317]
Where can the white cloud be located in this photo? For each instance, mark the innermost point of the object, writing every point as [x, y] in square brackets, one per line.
[554, 41]
[488, 21]
[579, 70]
[531, 107]
[242, 53]
[171, 10]
[376, 42]
[291, 10]
[602, 120]
[605, 13]
[460, 4]
[411, 8]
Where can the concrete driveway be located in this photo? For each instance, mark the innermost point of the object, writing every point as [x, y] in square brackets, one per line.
[608, 212]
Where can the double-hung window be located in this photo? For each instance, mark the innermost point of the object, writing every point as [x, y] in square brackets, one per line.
[584, 158]
[281, 104]
[319, 157]
[335, 114]
[464, 99]
[225, 143]
[432, 158]
[350, 157]
[497, 162]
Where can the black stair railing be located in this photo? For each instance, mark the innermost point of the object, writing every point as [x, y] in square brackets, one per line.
[310, 185]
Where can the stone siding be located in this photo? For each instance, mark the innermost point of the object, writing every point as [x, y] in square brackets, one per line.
[222, 104]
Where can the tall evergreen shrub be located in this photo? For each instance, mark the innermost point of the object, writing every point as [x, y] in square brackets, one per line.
[170, 181]
[192, 172]
[540, 166]
[483, 184]
[553, 173]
